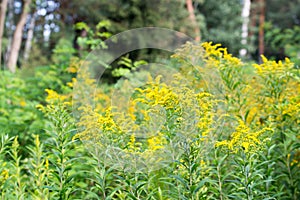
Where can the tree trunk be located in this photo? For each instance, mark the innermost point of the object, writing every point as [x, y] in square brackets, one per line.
[29, 37]
[190, 8]
[253, 24]
[245, 17]
[261, 45]
[3, 8]
[17, 38]
[10, 31]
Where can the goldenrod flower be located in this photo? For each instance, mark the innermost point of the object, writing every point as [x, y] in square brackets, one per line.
[156, 142]
[54, 96]
[4, 175]
[133, 146]
[243, 138]
[47, 163]
[22, 103]
[272, 67]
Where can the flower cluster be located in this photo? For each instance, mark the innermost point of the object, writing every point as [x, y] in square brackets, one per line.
[216, 56]
[243, 138]
[269, 67]
[200, 122]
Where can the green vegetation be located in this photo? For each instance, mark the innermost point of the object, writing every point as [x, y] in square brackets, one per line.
[244, 145]
[212, 120]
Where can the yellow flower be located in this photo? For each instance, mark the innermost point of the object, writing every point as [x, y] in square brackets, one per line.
[37, 140]
[296, 159]
[71, 84]
[202, 163]
[131, 110]
[22, 103]
[47, 163]
[75, 64]
[156, 142]
[158, 94]
[4, 175]
[243, 138]
[217, 57]
[221, 143]
[54, 96]
[246, 146]
[269, 67]
[133, 146]
[67, 103]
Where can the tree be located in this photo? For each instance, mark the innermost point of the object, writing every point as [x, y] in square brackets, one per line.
[223, 23]
[9, 31]
[190, 8]
[3, 8]
[261, 44]
[283, 14]
[29, 38]
[281, 32]
[245, 16]
[17, 38]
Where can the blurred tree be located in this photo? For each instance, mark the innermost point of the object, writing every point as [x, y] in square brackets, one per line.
[282, 34]
[17, 38]
[3, 7]
[253, 25]
[245, 15]
[29, 37]
[124, 15]
[223, 23]
[190, 8]
[283, 14]
[286, 41]
[278, 15]
[9, 27]
[262, 16]
[218, 22]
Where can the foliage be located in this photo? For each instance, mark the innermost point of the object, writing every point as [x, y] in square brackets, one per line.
[237, 137]
[287, 39]
[17, 111]
[19, 95]
[222, 23]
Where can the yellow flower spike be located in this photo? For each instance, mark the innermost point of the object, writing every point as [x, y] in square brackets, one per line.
[4, 175]
[221, 143]
[22, 103]
[157, 79]
[263, 58]
[273, 69]
[37, 140]
[202, 163]
[47, 163]
[246, 146]
[133, 146]
[145, 114]
[72, 70]
[288, 61]
[156, 142]
[67, 103]
[131, 110]
[74, 80]
[244, 138]
[54, 96]
[40, 107]
[70, 84]
[75, 63]
[150, 79]
[15, 142]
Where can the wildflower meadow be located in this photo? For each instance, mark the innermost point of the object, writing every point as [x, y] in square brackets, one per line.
[215, 128]
[149, 100]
